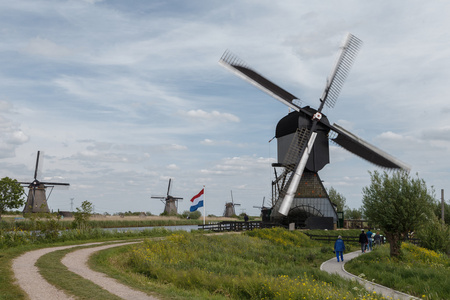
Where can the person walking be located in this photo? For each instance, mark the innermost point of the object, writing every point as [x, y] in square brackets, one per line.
[377, 239]
[369, 239]
[363, 241]
[339, 248]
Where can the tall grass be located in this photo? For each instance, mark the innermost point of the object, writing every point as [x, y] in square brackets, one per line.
[33, 224]
[419, 272]
[17, 237]
[261, 264]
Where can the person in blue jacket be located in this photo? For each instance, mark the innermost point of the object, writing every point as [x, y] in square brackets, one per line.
[339, 248]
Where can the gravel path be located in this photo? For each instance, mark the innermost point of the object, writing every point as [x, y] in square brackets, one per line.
[31, 281]
[76, 262]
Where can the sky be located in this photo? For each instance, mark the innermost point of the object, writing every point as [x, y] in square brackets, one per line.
[120, 96]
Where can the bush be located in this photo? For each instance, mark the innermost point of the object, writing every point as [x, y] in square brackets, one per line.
[435, 236]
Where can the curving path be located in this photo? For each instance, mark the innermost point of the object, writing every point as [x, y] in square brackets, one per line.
[31, 281]
[332, 266]
[37, 288]
[76, 262]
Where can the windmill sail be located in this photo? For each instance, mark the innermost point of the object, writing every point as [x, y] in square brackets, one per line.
[240, 68]
[363, 149]
[342, 67]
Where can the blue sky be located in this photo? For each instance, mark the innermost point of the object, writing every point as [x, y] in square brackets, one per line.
[123, 95]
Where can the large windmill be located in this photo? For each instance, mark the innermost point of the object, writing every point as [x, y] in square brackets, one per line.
[229, 208]
[37, 198]
[171, 203]
[302, 142]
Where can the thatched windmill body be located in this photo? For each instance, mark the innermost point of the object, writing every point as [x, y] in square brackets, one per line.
[303, 143]
[170, 202]
[37, 197]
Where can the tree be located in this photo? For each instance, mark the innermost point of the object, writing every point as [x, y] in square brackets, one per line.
[353, 213]
[11, 194]
[82, 215]
[337, 198]
[398, 205]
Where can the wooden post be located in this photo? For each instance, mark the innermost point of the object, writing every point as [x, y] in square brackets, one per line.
[442, 206]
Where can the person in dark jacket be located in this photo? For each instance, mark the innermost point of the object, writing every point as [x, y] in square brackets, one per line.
[363, 241]
[339, 248]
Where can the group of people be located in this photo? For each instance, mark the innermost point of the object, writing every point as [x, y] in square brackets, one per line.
[367, 240]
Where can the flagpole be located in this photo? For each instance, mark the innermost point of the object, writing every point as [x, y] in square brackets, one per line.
[204, 204]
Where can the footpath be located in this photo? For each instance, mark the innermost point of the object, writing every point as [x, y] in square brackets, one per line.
[333, 266]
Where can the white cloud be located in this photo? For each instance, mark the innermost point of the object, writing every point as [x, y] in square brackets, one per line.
[216, 116]
[44, 47]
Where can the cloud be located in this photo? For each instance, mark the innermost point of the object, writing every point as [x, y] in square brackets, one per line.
[216, 116]
[44, 47]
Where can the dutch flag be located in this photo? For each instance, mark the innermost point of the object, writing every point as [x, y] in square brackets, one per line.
[197, 201]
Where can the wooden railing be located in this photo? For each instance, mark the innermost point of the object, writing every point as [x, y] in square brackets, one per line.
[235, 226]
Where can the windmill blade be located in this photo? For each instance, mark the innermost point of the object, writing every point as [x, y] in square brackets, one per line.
[36, 169]
[168, 188]
[367, 151]
[340, 71]
[240, 68]
[54, 183]
[295, 178]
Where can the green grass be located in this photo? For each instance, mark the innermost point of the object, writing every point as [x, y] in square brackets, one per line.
[31, 224]
[419, 272]
[262, 264]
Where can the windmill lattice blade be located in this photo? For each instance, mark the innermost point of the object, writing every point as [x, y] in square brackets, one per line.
[240, 68]
[340, 71]
[367, 151]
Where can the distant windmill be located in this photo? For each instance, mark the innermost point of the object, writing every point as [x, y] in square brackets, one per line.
[36, 198]
[229, 207]
[171, 203]
[265, 211]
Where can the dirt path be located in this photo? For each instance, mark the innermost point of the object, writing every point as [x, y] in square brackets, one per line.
[31, 281]
[76, 262]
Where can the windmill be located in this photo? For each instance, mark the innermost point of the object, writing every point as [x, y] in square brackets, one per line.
[265, 211]
[302, 142]
[171, 203]
[36, 198]
[229, 208]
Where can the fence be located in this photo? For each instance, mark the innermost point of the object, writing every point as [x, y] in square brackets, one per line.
[236, 226]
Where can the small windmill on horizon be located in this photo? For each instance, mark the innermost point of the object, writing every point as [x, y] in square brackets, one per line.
[37, 198]
[229, 208]
[171, 203]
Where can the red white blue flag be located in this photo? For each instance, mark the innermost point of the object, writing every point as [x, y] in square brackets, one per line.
[197, 201]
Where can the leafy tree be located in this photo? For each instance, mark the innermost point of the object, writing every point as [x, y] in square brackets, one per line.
[82, 215]
[194, 215]
[11, 194]
[398, 205]
[353, 213]
[337, 198]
